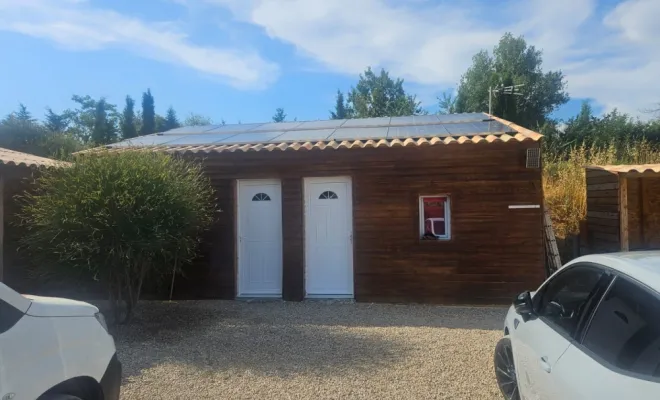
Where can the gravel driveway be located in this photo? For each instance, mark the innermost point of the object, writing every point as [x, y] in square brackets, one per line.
[308, 350]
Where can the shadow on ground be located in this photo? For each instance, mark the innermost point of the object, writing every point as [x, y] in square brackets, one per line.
[283, 339]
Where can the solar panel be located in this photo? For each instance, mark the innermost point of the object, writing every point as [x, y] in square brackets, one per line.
[190, 129]
[399, 121]
[473, 128]
[331, 123]
[359, 133]
[417, 131]
[234, 128]
[310, 135]
[275, 126]
[251, 137]
[206, 138]
[150, 140]
[356, 123]
[465, 117]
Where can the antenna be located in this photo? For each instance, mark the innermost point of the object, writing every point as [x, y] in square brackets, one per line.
[513, 90]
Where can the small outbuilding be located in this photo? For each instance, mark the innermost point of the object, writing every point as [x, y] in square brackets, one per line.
[431, 208]
[15, 167]
[623, 207]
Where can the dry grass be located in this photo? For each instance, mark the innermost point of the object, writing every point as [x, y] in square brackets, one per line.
[564, 182]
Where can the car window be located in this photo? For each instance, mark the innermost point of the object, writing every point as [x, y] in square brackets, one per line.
[568, 296]
[8, 316]
[625, 329]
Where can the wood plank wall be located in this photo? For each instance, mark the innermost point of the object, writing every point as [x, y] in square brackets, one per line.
[494, 253]
[603, 211]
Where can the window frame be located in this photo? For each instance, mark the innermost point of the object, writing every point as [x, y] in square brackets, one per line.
[602, 288]
[579, 343]
[421, 222]
[14, 316]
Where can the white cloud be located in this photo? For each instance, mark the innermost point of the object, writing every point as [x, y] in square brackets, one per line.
[613, 60]
[75, 25]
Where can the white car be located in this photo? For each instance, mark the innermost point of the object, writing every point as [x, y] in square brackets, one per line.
[55, 349]
[591, 331]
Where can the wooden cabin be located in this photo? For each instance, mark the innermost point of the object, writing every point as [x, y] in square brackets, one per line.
[623, 207]
[433, 208]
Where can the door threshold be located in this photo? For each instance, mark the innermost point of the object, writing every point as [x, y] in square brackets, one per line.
[330, 297]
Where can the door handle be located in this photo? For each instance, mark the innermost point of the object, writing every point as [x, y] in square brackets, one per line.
[544, 364]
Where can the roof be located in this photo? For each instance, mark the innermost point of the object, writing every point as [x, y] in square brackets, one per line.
[415, 130]
[643, 266]
[648, 169]
[11, 157]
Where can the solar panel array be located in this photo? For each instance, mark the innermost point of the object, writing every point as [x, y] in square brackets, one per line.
[417, 126]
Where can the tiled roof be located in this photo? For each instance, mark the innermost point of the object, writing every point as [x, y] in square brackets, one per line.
[425, 130]
[627, 169]
[11, 157]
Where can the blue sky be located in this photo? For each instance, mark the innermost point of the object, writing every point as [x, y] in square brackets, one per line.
[240, 59]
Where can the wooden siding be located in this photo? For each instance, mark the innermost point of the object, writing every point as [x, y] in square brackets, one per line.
[494, 253]
[603, 226]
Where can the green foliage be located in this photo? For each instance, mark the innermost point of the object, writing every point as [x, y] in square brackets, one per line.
[198, 120]
[381, 96]
[84, 119]
[148, 114]
[513, 63]
[104, 130]
[279, 116]
[128, 128]
[446, 103]
[119, 217]
[57, 122]
[342, 110]
[171, 121]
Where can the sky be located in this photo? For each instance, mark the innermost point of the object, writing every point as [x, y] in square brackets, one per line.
[239, 60]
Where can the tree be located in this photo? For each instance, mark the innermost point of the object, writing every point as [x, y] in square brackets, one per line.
[56, 122]
[446, 103]
[342, 111]
[148, 114]
[104, 130]
[160, 123]
[279, 116]
[20, 132]
[171, 121]
[381, 96]
[23, 114]
[197, 120]
[118, 217]
[513, 62]
[128, 128]
[83, 119]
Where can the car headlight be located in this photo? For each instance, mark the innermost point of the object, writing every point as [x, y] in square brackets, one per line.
[99, 317]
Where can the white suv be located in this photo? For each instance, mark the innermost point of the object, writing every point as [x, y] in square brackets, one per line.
[55, 349]
[591, 331]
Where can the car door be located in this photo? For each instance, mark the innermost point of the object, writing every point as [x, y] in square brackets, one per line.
[560, 306]
[618, 354]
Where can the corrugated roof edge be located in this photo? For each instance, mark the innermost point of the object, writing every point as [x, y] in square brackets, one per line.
[17, 158]
[628, 169]
[522, 135]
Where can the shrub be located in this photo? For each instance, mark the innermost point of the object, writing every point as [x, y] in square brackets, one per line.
[122, 217]
[564, 178]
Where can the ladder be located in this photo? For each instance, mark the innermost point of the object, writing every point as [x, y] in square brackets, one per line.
[551, 249]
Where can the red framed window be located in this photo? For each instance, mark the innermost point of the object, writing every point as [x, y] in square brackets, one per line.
[434, 217]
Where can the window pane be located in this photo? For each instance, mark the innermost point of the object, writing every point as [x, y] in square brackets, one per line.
[625, 330]
[567, 296]
[434, 216]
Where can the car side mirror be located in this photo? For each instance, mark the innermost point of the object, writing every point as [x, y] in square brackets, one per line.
[523, 304]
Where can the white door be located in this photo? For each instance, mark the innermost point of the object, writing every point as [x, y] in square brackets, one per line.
[328, 238]
[259, 238]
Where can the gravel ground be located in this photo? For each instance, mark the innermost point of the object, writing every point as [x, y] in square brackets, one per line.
[308, 350]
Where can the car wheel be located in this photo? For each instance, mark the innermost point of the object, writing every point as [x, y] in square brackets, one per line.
[505, 370]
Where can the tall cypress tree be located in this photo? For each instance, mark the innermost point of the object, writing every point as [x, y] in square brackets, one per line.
[171, 121]
[341, 111]
[148, 114]
[104, 130]
[128, 130]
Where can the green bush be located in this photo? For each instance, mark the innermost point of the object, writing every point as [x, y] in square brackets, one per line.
[123, 217]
